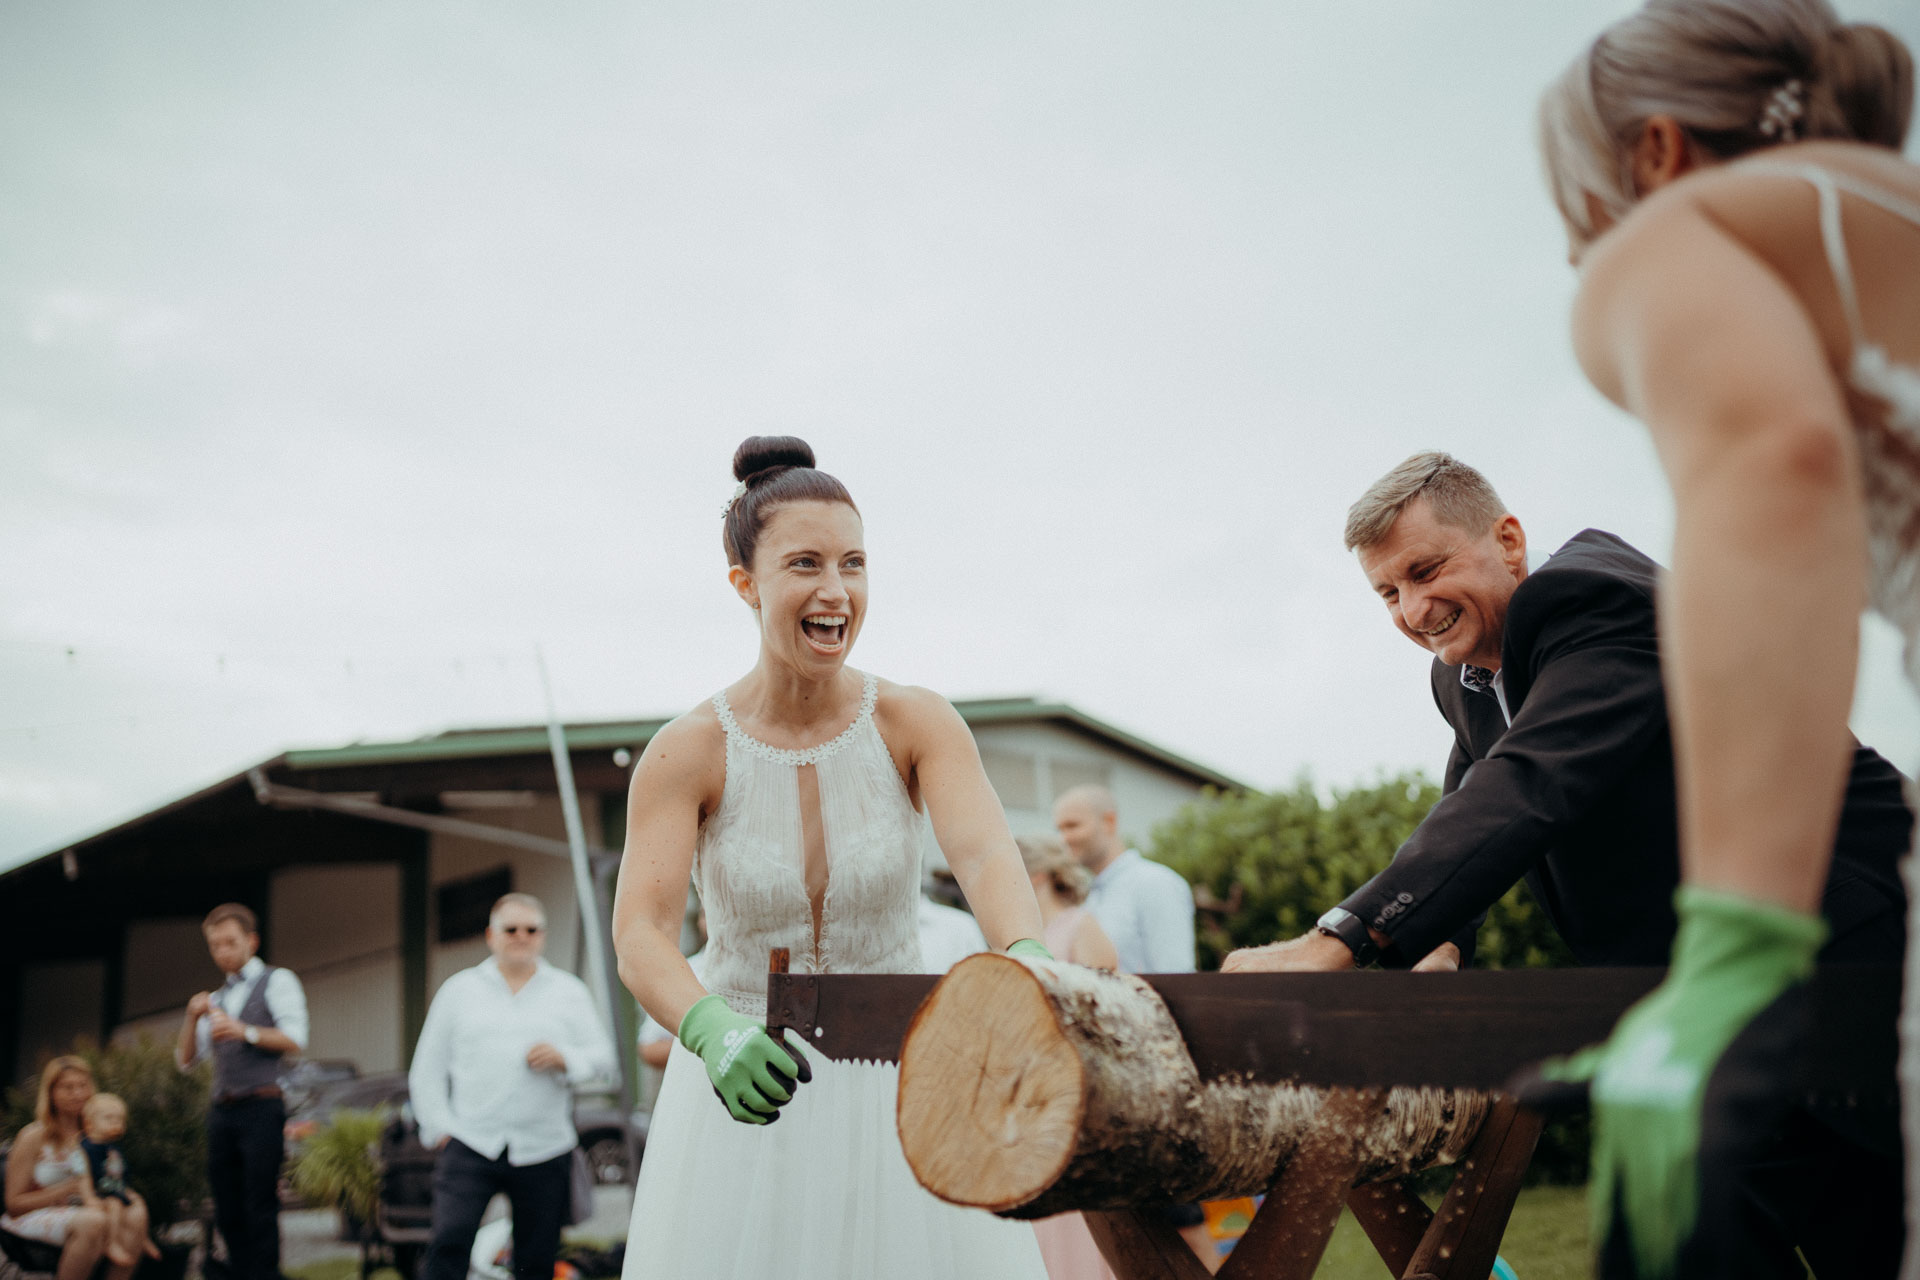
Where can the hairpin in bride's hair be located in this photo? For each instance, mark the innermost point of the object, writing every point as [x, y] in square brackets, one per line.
[1783, 112]
[739, 491]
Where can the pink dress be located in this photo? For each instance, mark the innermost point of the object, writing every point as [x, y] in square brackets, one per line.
[1066, 1246]
[1058, 932]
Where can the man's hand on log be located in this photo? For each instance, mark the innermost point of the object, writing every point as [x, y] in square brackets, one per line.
[1308, 953]
[1317, 953]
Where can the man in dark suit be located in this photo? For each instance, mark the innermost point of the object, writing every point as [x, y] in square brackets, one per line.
[1562, 773]
[1562, 765]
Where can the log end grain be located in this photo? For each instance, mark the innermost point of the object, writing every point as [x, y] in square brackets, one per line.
[992, 1093]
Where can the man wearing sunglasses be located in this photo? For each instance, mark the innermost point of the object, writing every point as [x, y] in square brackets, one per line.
[504, 1046]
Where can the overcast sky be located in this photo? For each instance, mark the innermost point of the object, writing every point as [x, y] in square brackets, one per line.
[347, 351]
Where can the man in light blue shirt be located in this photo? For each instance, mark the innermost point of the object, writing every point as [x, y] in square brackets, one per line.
[1145, 907]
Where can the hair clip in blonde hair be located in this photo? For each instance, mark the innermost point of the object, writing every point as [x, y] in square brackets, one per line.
[1783, 112]
[739, 491]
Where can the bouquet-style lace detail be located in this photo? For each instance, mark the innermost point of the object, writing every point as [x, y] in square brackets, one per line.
[869, 694]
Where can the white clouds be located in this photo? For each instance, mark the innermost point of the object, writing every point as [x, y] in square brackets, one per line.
[138, 332]
[393, 334]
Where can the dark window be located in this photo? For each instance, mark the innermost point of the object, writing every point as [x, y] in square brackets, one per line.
[463, 904]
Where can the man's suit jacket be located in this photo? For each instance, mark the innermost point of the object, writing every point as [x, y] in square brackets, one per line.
[1577, 795]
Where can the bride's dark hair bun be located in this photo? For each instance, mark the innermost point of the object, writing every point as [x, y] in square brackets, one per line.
[773, 471]
[764, 453]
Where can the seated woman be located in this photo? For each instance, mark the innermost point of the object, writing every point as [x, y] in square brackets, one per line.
[49, 1189]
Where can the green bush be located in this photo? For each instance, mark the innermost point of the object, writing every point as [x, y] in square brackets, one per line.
[166, 1142]
[1265, 864]
[339, 1166]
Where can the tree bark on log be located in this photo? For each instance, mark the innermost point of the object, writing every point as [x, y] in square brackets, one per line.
[1032, 1087]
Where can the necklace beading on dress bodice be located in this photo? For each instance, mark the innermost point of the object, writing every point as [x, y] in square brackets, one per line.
[749, 861]
[869, 694]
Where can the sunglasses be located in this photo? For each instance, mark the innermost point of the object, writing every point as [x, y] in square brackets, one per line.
[528, 929]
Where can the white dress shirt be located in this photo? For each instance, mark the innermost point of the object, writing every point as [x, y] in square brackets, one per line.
[286, 1001]
[1147, 909]
[470, 1079]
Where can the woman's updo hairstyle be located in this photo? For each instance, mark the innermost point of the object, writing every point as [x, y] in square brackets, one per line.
[773, 472]
[1738, 75]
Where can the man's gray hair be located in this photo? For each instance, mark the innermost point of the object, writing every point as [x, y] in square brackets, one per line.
[517, 899]
[1458, 495]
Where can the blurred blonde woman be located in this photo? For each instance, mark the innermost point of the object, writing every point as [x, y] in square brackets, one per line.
[1061, 885]
[49, 1186]
[1748, 239]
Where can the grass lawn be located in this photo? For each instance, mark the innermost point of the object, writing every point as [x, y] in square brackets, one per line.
[1547, 1240]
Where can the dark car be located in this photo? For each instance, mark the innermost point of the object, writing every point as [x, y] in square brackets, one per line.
[613, 1144]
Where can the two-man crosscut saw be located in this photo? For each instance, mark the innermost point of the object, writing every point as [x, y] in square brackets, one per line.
[1470, 1030]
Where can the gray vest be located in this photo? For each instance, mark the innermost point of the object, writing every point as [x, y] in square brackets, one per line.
[241, 1068]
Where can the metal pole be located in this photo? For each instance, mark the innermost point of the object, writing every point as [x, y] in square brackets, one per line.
[602, 987]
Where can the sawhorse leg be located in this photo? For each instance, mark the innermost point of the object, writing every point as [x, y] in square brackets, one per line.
[1463, 1238]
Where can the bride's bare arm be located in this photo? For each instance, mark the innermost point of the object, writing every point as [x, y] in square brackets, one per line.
[1683, 326]
[675, 777]
[967, 818]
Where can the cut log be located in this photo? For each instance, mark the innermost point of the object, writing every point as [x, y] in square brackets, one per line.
[1033, 1087]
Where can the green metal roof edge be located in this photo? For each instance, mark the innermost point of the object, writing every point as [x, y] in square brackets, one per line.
[480, 742]
[466, 744]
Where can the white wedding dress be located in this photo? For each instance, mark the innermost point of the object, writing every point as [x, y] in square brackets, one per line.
[823, 1193]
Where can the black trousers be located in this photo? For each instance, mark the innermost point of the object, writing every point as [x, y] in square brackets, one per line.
[246, 1146]
[1777, 1170]
[464, 1181]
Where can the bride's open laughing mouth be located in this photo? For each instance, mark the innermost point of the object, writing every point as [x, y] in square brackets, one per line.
[826, 632]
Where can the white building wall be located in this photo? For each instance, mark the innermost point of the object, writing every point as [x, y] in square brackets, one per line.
[1031, 765]
[338, 928]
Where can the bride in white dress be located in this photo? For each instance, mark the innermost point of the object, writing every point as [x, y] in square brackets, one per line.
[793, 801]
[1748, 237]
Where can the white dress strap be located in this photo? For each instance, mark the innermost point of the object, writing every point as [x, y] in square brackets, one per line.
[1833, 235]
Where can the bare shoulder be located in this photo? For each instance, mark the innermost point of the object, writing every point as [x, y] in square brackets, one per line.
[26, 1146]
[1658, 255]
[908, 713]
[688, 752]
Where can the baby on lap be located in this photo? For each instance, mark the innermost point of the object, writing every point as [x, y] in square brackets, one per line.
[105, 1123]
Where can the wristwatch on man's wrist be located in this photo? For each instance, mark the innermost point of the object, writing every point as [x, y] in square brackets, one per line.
[251, 1034]
[1342, 924]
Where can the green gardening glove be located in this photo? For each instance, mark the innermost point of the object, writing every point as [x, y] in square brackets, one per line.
[1031, 949]
[1732, 958]
[751, 1071]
